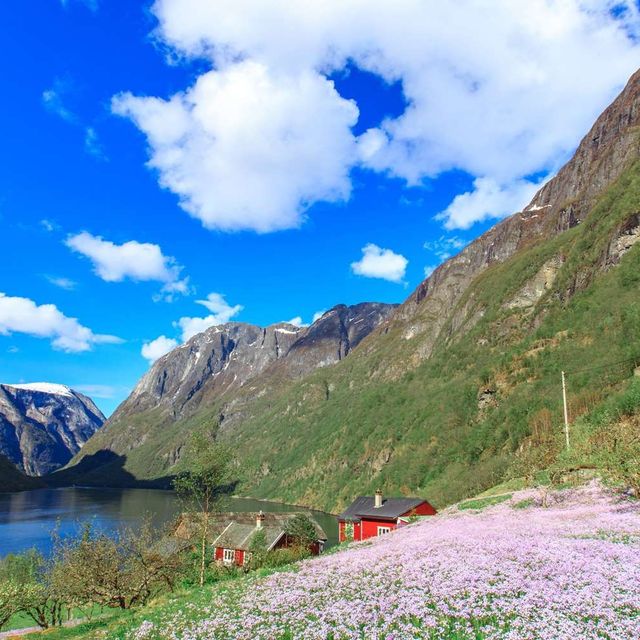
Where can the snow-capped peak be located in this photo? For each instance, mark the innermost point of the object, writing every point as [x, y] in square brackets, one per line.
[45, 387]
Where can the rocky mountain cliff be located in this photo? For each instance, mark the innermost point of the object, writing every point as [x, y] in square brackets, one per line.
[442, 394]
[43, 425]
[213, 368]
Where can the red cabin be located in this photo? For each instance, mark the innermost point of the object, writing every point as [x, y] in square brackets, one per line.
[368, 516]
[233, 544]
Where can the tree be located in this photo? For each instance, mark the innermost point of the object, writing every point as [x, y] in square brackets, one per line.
[301, 531]
[205, 484]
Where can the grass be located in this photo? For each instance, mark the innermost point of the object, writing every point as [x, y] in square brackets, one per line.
[483, 503]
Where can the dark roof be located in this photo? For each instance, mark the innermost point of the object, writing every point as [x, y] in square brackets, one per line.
[239, 536]
[363, 507]
[241, 527]
[218, 522]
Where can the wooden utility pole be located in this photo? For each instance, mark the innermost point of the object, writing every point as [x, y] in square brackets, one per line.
[566, 410]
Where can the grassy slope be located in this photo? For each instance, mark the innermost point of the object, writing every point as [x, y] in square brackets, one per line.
[320, 438]
[378, 420]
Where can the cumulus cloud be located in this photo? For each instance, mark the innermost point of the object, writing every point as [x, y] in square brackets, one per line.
[157, 348]
[22, 315]
[221, 313]
[297, 322]
[259, 139]
[248, 147]
[487, 200]
[137, 261]
[380, 263]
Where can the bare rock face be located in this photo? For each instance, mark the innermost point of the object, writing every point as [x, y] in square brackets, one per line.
[604, 153]
[42, 426]
[213, 368]
[212, 363]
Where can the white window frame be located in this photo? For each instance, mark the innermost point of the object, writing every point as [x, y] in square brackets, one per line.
[383, 530]
[228, 556]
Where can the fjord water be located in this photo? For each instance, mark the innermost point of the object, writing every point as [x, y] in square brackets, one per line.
[28, 518]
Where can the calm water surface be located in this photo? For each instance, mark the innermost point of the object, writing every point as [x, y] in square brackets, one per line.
[27, 518]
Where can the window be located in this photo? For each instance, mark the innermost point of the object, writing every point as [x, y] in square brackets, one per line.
[229, 555]
[383, 530]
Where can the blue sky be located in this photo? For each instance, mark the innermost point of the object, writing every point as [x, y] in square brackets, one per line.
[372, 160]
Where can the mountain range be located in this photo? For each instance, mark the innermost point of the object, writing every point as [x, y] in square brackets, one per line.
[43, 425]
[434, 397]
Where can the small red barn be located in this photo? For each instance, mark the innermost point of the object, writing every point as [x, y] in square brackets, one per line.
[233, 545]
[368, 516]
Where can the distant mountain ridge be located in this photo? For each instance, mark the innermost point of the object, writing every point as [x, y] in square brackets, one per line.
[43, 425]
[213, 370]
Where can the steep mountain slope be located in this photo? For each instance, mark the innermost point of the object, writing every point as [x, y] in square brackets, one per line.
[202, 376]
[43, 425]
[438, 399]
[441, 396]
[11, 479]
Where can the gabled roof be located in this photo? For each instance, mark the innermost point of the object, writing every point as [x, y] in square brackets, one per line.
[188, 527]
[239, 536]
[239, 531]
[364, 507]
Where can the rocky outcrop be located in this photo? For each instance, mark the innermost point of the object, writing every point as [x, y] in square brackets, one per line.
[227, 367]
[604, 153]
[42, 426]
[226, 357]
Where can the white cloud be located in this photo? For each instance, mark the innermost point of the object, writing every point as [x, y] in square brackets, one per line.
[429, 269]
[221, 313]
[138, 261]
[297, 322]
[255, 142]
[380, 263]
[445, 246]
[92, 144]
[250, 148]
[487, 200]
[53, 100]
[63, 283]
[157, 348]
[103, 391]
[317, 315]
[22, 315]
[49, 225]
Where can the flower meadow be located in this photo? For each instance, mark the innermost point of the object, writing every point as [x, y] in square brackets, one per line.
[570, 570]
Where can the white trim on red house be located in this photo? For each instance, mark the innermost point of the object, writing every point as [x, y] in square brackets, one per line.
[383, 530]
[228, 556]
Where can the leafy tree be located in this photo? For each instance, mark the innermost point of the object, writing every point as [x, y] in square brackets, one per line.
[205, 484]
[120, 571]
[301, 531]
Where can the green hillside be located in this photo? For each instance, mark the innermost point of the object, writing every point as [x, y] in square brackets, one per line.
[450, 425]
[427, 430]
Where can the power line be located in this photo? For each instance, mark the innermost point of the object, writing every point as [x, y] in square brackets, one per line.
[605, 366]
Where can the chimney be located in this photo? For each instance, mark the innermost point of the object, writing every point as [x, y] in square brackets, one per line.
[378, 499]
[259, 520]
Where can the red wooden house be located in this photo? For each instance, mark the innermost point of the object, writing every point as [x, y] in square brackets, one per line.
[233, 545]
[368, 516]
